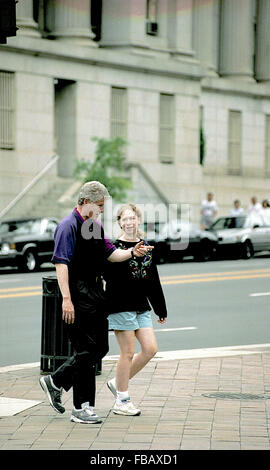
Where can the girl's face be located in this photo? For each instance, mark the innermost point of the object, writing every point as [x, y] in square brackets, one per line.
[129, 222]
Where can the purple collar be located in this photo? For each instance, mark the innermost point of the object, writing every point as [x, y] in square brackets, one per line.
[78, 214]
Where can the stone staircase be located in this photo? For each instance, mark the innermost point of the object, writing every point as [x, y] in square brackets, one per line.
[59, 201]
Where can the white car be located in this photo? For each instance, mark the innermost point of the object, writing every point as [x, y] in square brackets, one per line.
[242, 236]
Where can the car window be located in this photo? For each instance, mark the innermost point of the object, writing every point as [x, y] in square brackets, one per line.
[229, 223]
[152, 229]
[51, 226]
[31, 226]
[175, 229]
[8, 227]
[4, 228]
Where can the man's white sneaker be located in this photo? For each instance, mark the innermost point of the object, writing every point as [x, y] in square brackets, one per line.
[85, 416]
[125, 407]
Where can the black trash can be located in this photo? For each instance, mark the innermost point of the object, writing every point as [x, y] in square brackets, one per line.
[55, 344]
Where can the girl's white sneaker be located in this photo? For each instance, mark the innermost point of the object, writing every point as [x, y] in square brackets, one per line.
[125, 407]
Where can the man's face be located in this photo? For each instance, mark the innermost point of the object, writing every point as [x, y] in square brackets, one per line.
[92, 210]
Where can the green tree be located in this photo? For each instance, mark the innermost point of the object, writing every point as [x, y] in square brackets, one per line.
[107, 167]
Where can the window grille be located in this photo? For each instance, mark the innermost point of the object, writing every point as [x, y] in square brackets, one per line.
[166, 128]
[118, 112]
[7, 112]
[235, 143]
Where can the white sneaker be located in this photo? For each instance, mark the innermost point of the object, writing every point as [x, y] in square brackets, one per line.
[125, 407]
[85, 416]
[111, 387]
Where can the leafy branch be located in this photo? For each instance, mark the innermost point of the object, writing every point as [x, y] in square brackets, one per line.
[107, 167]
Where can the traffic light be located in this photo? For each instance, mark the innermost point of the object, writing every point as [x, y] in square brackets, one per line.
[7, 19]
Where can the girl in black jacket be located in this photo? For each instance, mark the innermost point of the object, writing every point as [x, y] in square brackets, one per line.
[132, 287]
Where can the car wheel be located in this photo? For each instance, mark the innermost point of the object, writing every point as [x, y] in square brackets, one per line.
[247, 250]
[30, 261]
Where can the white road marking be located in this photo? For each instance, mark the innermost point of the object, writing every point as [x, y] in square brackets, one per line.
[259, 294]
[205, 352]
[176, 329]
[18, 367]
[161, 330]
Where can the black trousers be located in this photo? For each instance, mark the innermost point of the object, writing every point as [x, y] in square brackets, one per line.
[89, 338]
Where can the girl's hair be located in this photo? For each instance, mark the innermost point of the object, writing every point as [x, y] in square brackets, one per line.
[136, 211]
[265, 202]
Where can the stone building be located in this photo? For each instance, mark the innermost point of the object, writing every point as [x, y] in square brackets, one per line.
[185, 82]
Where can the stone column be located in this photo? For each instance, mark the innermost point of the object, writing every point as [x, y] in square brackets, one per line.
[72, 21]
[237, 39]
[24, 19]
[205, 30]
[262, 59]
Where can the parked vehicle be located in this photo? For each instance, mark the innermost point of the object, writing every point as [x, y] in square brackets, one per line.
[177, 239]
[27, 243]
[241, 236]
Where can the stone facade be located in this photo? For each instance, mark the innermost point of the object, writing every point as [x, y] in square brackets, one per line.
[207, 54]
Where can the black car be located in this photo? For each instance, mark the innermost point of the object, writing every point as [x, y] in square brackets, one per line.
[27, 243]
[177, 239]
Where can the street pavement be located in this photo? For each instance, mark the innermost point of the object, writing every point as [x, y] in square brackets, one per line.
[210, 400]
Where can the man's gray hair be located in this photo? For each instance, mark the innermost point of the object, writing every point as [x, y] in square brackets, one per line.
[93, 191]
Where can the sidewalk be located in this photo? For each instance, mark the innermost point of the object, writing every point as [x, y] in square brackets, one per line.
[176, 413]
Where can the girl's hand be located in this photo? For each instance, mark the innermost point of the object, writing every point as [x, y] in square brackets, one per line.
[140, 249]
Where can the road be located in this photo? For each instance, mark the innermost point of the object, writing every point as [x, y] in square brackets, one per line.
[213, 304]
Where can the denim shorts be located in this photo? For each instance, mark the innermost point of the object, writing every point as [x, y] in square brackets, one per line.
[130, 321]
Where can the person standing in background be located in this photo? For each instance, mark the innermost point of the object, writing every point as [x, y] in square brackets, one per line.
[237, 209]
[254, 206]
[265, 212]
[209, 210]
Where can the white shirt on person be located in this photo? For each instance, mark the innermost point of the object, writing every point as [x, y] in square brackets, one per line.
[236, 212]
[209, 208]
[265, 213]
[254, 208]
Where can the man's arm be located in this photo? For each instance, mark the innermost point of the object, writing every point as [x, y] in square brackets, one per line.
[63, 281]
[139, 250]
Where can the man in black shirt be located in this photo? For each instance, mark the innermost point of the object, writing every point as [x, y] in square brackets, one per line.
[81, 249]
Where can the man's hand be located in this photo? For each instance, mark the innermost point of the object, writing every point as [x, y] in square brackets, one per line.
[140, 249]
[68, 311]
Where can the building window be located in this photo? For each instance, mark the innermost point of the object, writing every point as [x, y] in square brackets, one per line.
[267, 145]
[166, 128]
[118, 112]
[151, 17]
[235, 143]
[7, 111]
